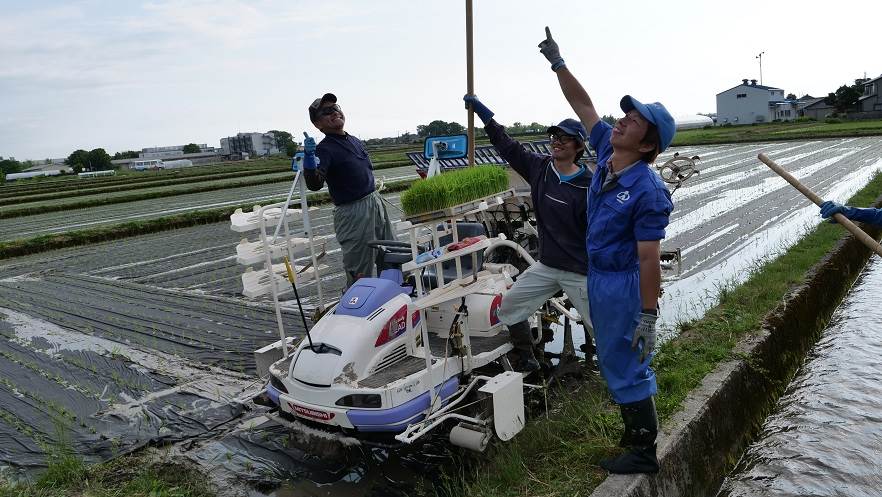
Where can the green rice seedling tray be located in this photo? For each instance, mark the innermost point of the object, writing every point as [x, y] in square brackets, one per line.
[463, 209]
[453, 188]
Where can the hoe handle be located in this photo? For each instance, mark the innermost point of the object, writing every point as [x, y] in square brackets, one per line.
[470, 82]
[842, 220]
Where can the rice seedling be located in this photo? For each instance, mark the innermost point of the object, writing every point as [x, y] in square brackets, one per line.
[453, 188]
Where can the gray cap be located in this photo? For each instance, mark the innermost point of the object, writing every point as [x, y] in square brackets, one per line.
[317, 103]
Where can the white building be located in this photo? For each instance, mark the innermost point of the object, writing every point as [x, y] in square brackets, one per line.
[170, 151]
[249, 144]
[750, 103]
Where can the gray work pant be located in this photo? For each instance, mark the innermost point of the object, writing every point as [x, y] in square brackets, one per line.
[536, 285]
[355, 224]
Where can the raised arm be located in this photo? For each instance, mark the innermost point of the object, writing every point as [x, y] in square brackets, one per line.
[509, 149]
[312, 173]
[569, 85]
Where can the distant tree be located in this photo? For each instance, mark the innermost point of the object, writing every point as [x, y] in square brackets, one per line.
[791, 96]
[191, 148]
[128, 154]
[439, 127]
[845, 97]
[78, 160]
[99, 160]
[284, 142]
[10, 166]
[609, 120]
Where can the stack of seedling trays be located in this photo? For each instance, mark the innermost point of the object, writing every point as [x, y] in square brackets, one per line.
[268, 249]
[454, 193]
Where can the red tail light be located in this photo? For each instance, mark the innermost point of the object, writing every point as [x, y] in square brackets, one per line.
[394, 327]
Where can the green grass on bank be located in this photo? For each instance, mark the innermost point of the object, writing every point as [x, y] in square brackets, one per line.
[130, 476]
[557, 455]
[777, 131]
[43, 243]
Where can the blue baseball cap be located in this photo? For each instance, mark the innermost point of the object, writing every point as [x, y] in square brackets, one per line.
[655, 113]
[571, 127]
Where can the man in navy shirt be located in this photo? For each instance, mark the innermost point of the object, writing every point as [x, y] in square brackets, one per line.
[628, 211]
[341, 161]
[559, 189]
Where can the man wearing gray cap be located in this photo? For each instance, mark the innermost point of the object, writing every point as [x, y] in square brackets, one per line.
[628, 210]
[341, 161]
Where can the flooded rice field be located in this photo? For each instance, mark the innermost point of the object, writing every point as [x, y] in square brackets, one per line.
[147, 340]
[90, 217]
[824, 437]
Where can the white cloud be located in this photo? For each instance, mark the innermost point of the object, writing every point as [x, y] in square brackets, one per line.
[126, 75]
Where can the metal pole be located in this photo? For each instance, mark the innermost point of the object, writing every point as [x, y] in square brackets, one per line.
[760, 57]
[844, 221]
[470, 83]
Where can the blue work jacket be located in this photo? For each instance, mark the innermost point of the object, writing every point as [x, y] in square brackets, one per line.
[635, 207]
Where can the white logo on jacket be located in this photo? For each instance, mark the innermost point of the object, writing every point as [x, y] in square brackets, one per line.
[623, 196]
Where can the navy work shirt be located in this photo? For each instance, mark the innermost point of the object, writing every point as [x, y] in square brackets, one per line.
[635, 207]
[344, 164]
[560, 204]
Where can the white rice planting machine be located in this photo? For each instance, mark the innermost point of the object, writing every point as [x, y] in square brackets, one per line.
[420, 347]
[416, 349]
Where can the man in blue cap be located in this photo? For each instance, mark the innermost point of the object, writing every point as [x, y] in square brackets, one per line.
[628, 210]
[558, 188]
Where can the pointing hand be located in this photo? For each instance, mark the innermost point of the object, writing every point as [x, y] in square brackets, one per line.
[551, 51]
[308, 144]
[309, 161]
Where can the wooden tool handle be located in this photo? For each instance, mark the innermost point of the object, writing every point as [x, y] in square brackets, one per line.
[470, 82]
[844, 221]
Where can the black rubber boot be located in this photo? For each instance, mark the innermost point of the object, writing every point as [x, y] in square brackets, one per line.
[522, 339]
[641, 428]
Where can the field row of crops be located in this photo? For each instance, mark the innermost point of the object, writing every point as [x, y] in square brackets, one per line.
[145, 209]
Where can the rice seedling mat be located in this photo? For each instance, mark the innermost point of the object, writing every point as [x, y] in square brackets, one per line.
[459, 210]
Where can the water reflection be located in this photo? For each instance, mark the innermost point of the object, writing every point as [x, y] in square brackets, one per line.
[824, 437]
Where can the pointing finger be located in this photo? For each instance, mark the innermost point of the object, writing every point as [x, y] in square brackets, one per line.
[548, 34]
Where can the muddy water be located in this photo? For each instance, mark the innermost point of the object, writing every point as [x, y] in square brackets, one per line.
[825, 436]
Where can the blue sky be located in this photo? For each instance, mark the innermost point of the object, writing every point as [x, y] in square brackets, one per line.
[126, 75]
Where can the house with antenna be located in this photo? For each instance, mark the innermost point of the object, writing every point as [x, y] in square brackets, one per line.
[750, 103]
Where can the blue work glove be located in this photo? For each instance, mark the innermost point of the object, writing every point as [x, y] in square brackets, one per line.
[309, 161]
[298, 158]
[873, 216]
[829, 208]
[551, 51]
[645, 332]
[480, 109]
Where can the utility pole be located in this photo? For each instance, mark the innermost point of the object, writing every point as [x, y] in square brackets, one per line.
[760, 57]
